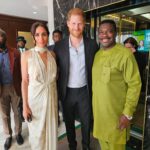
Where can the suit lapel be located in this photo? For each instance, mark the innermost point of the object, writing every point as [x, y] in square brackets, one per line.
[86, 49]
[66, 56]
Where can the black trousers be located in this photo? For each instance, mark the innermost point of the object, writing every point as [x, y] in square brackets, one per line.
[77, 100]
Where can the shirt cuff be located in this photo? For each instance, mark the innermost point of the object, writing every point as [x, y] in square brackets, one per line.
[129, 117]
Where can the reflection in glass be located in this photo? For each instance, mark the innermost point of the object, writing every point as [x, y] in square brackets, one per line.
[146, 141]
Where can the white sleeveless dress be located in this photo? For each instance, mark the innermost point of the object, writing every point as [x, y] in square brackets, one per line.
[42, 97]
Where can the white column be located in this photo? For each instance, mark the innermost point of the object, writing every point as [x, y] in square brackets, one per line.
[50, 20]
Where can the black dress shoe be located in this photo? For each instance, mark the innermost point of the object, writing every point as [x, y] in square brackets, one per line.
[19, 139]
[7, 143]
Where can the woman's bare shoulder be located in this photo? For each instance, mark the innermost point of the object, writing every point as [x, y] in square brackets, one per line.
[27, 53]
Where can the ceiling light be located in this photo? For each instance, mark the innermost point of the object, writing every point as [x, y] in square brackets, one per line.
[113, 16]
[146, 15]
[34, 12]
[127, 20]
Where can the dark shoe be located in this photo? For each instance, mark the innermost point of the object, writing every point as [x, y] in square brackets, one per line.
[7, 143]
[19, 139]
[72, 147]
[86, 148]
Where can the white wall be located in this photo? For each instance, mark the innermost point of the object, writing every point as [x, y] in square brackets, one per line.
[50, 20]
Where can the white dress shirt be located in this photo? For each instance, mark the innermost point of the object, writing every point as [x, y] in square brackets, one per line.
[77, 71]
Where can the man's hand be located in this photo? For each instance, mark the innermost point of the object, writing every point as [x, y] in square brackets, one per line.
[124, 122]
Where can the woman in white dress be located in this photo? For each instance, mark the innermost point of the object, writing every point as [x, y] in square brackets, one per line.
[39, 91]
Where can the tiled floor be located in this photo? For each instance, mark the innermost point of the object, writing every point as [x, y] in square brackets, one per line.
[15, 146]
[62, 143]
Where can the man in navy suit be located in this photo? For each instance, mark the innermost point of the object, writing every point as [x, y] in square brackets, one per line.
[75, 56]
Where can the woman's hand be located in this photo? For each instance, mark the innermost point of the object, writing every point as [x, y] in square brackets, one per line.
[26, 112]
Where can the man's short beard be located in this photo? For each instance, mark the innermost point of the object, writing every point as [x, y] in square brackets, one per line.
[21, 46]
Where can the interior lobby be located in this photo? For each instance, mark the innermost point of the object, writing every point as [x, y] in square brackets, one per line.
[132, 18]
